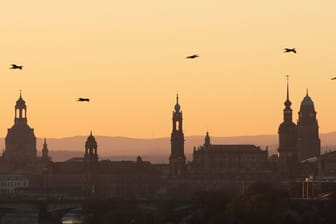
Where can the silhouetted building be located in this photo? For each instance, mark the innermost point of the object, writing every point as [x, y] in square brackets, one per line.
[91, 160]
[89, 176]
[229, 161]
[177, 159]
[20, 142]
[287, 139]
[327, 165]
[308, 141]
[223, 167]
[45, 151]
[299, 145]
[91, 154]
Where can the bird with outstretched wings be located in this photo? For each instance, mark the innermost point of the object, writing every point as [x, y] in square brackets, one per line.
[192, 56]
[83, 99]
[289, 50]
[14, 66]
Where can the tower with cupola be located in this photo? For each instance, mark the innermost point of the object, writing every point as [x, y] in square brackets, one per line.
[287, 132]
[91, 161]
[177, 159]
[308, 141]
[91, 154]
[20, 142]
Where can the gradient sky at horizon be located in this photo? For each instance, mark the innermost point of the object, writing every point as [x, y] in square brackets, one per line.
[128, 57]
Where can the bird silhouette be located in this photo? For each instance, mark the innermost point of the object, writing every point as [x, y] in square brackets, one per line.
[333, 78]
[83, 99]
[192, 56]
[14, 66]
[289, 50]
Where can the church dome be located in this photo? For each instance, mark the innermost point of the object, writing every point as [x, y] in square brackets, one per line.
[284, 126]
[307, 103]
[91, 142]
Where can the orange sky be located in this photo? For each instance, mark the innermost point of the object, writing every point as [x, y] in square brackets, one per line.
[128, 57]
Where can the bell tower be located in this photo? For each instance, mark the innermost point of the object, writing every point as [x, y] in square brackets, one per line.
[287, 138]
[20, 142]
[20, 111]
[91, 149]
[91, 160]
[308, 141]
[177, 159]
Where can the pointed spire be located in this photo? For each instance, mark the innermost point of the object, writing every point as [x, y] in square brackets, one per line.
[288, 103]
[45, 149]
[287, 87]
[307, 92]
[20, 93]
[177, 105]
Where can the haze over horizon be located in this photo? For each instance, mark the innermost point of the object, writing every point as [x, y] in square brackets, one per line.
[129, 58]
[157, 150]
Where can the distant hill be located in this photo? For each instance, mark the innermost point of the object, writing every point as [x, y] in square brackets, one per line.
[156, 150]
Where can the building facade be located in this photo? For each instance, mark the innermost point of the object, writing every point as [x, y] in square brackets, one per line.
[229, 161]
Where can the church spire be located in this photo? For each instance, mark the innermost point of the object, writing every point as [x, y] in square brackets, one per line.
[288, 103]
[287, 137]
[287, 87]
[177, 105]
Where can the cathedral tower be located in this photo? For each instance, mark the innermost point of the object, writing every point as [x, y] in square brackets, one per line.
[308, 142]
[91, 160]
[287, 138]
[177, 159]
[20, 142]
[91, 154]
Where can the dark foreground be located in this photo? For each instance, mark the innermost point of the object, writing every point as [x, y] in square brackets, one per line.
[261, 204]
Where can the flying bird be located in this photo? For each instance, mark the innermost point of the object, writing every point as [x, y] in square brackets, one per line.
[83, 99]
[333, 78]
[289, 50]
[14, 66]
[192, 56]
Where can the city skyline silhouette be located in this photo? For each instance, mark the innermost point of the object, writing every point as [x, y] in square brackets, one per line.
[167, 111]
